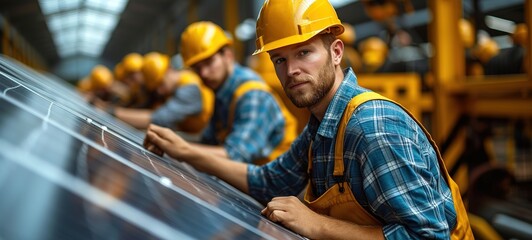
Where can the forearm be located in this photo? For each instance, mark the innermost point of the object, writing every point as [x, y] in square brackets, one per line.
[138, 118]
[330, 228]
[210, 162]
[216, 150]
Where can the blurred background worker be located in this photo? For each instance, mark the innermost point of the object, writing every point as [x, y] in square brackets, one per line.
[188, 106]
[262, 64]
[351, 57]
[374, 54]
[100, 84]
[131, 71]
[250, 124]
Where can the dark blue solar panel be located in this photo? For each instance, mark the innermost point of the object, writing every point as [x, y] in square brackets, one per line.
[69, 171]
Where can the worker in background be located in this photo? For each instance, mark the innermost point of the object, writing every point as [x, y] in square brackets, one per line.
[486, 48]
[374, 53]
[262, 64]
[351, 57]
[189, 104]
[84, 85]
[366, 163]
[250, 124]
[100, 84]
[466, 31]
[134, 80]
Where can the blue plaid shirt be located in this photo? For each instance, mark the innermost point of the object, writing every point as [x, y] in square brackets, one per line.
[390, 165]
[258, 125]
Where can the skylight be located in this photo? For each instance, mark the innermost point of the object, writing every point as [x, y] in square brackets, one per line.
[340, 3]
[81, 27]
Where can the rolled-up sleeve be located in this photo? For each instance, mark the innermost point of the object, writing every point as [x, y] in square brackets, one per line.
[257, 128]
[285, 176]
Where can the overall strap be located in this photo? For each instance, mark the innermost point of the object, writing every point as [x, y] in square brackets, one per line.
[239, 92]
[346, 116]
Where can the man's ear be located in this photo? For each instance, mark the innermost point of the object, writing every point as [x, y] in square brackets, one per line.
[228, 52]
[337, 51]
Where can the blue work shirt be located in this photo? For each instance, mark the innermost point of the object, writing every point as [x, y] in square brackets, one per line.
[391, 167]
[258, 125]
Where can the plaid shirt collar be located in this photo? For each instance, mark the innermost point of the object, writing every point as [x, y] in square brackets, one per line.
[347, 90]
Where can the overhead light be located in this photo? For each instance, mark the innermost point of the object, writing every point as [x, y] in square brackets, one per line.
[81, 27]
[500, 24]
[341, 3]
[245, 30]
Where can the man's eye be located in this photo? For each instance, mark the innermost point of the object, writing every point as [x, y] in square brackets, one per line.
[279, 60]
[303, 52]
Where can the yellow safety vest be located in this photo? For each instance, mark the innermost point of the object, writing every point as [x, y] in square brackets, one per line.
[196, 123]
[342, 204]
[290, 128]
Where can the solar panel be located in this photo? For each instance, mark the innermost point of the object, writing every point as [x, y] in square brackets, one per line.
[70, 171]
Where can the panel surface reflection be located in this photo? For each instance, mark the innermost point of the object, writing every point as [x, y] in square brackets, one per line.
[69, 171]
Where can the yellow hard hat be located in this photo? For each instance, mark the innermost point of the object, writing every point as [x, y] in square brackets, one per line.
[349, 35]
[154, 67]
[132, 62]
[201, 40]
[486, 49]
[467, 33]
[380, 10]
[374, 51]
[282, 23]
[119, 72]
[101, 77]
[520, 34]
[84, 85]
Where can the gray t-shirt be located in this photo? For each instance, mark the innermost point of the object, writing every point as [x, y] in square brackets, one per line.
[185, 102]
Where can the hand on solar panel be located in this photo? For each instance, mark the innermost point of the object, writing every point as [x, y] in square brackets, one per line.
[293, 214]
[160, 140]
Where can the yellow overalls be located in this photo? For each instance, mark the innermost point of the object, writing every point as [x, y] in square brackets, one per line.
[194, 124]
[290, 128]
[339, 201]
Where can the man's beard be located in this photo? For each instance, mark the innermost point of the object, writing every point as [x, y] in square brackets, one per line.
[322, 86]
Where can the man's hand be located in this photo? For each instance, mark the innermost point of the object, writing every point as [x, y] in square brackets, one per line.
[293, 214]
[161, 140]
[97, 102]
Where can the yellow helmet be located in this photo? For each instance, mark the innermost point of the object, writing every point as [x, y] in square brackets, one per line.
[520, 34]
[380, 10]
[101, 77]
[154, 67]
[349, 35]
[374, 52]
[200, 40]
[119, 72]
[84, 85]
[282, 23]
[467, 32]
[132, 62]
[486, 49]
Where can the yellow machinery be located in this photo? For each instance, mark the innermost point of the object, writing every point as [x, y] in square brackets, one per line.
[455, 94]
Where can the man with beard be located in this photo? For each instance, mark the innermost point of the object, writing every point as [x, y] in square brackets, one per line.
[249, 124]
[369, 168]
